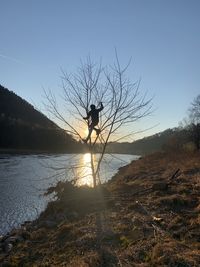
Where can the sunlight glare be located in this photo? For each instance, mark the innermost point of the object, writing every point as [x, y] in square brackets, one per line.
[86, 131]
[85, 172]
[86, 158]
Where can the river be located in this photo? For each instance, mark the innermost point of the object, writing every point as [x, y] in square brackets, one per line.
[25, 178]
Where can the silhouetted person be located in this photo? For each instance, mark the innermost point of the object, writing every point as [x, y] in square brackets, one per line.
[93, 117]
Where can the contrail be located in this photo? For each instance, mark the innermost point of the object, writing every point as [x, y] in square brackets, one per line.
[11, 58]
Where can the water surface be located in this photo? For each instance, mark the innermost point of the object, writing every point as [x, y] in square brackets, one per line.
[25, 178]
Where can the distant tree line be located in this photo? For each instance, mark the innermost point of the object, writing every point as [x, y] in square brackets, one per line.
[161, 141]
[185, 137]
[193, 124]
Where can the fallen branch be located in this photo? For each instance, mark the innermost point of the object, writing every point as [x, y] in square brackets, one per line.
[175, 174]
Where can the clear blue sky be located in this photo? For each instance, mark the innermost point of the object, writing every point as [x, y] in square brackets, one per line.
[162, 37]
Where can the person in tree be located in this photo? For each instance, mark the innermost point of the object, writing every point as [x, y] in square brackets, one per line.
[93, 118]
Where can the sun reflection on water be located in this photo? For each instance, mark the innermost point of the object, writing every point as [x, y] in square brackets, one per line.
[84, 173]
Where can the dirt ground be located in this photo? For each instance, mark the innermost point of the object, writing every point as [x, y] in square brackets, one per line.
[147, 215]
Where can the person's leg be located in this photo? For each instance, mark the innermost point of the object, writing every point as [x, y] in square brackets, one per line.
[91, 127]
[97, 131]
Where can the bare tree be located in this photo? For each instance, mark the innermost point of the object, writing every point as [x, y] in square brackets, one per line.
[124, 104]
[194, 121]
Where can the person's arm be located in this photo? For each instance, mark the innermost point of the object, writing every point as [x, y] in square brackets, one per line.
[101, 107]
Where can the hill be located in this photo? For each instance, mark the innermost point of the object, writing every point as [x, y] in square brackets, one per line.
[171, 138]
[25, 128]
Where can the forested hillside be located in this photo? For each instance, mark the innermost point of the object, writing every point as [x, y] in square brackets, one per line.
[23, 127]
[169, 139]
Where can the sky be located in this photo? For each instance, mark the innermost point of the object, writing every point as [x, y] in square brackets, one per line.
[39, 37]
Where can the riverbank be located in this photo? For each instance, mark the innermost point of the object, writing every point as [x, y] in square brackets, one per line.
[147, 215]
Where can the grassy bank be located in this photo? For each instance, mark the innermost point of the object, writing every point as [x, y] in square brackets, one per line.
[147, 215]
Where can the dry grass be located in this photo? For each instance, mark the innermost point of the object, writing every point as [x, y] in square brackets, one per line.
[142, 217]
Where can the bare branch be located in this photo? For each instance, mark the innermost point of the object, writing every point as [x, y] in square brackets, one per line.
[92, 84]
